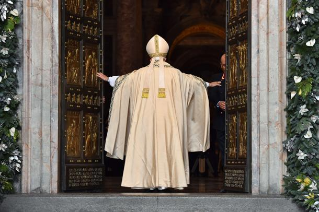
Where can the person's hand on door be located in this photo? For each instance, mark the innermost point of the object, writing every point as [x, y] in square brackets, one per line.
[102, 76]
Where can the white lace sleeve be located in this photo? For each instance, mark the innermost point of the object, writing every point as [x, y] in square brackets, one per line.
[112, 80]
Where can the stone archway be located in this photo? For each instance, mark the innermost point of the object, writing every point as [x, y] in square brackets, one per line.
[198, 29]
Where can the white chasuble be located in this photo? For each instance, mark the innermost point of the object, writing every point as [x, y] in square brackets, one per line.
[156, 133]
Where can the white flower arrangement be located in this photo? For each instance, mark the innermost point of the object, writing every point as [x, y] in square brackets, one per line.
[10, 155]
[301, 155]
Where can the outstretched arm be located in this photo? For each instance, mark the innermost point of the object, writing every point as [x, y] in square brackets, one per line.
[111, 80]
[214, 84]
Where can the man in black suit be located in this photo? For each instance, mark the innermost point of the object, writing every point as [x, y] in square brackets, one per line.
[217, 96]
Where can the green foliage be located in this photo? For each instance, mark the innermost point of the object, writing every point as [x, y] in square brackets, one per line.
[302, 177]
[10, 155]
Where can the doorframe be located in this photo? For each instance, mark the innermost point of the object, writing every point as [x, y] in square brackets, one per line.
[41, 29]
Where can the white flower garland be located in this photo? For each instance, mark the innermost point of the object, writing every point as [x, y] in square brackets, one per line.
[10, 154]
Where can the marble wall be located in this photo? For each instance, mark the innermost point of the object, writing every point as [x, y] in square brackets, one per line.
[40, 92]
[268, 94]
[40, 86]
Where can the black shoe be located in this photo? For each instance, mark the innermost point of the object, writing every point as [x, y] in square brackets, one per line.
[222, 191]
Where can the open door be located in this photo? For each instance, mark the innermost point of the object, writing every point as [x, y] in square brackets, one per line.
[82, 114]
[238, 139]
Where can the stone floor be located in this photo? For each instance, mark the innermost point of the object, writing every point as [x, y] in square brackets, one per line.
[208, 184]
[174, 202]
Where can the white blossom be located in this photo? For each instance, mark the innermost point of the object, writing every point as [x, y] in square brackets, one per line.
[6, 108]
[304, 20]
[8, 101]
[297, 79]
[10, 2]
[301, 155]
[5, 75]
[14, 70]
[12, 131]
[0, 78]
[3, 147]
[3, 38]
[311, 42]
[3, 12]
[298, 28]
[302, 187]
[16, 152]
[314, 118]
[14, 12]
[4, 51]
[308, 134]
[298, 14]
[303, 110]
[313, 186]
[11, 159]
[297, 57]
[293, 94]
[310, 10]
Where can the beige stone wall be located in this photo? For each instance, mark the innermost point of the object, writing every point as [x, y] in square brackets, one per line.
[268, 94]
[40, 106]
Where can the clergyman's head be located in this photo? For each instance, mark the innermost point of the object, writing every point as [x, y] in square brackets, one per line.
[223, 62]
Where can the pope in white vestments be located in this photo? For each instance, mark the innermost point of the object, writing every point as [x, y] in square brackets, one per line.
[157, 115]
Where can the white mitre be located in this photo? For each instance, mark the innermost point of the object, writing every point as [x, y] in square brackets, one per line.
[157, 47]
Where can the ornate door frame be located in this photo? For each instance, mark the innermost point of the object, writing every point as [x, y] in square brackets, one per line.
[238, 97]
[82, 125]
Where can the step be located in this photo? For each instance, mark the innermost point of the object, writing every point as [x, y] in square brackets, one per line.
[146, 202]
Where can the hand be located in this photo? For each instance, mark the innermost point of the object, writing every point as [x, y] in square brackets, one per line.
[222, 105]
[102, 76]
[103, 99]
[213, 84]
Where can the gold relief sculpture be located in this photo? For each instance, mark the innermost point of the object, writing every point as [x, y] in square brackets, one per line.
[242, 153]
[78, 99]
[233, 8]
[68, 98]
[93, 31]
[91, 66]
[73, 6]
[96, 32]
[96, 101]
[69, 25]
[91, 100]
[73, 98]
[92, 9]
[73, 139]
[243, 60]
[233, 31]
[76, 27]
[73, 63]
[243, 6]
[91, 135]
[232, 80]
[85, 99]
[232, 137]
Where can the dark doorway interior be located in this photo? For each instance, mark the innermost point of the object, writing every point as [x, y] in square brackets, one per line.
[195, 31]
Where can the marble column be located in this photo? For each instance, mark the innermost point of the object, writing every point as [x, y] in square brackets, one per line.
[268, 95]
[40, 105]
[129, 43]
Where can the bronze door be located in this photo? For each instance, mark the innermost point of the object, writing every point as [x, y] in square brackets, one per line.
[82, 126]
[238, 139]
